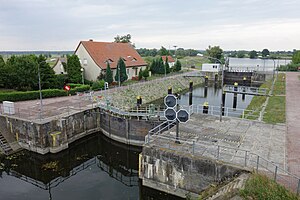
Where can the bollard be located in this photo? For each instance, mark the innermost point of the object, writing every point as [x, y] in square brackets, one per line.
[191, 86]
[138, 101]
[190, 98]
[206, 81]
[205, 108]
[275, 174]
[236, 86]
[170, 90]
[205, 92]
[234, 101]
[244, 81]
[223, 102]
[216, 78]
[243, 97]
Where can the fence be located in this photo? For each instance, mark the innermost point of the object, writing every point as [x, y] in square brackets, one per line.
[240, 157]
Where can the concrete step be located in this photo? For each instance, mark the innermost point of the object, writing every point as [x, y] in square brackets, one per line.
[4, 145]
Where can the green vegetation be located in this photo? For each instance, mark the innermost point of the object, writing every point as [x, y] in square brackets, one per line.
[214, 52]
[275, 110]
[296, 57]
[265, 52]
[188, 62]
[253, 54]
[74, 69]
[260, 187]
[98, 85]
[121, 68]
[108, 75]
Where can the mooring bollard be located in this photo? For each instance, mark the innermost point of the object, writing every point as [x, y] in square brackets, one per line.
[244, 81]
[170, 90]
[206, 81]
[205, 108]
[234, 101]
[236, 86]
[223, 102]
[216, 78]
[205, 92]
[138, 101]
[190, 98]
[191, 86]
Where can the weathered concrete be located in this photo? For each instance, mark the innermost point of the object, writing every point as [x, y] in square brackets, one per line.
[182, 174]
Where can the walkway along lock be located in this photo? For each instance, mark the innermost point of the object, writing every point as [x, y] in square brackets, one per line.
[180, 115]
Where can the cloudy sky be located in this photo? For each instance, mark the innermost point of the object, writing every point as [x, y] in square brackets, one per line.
[231, 24]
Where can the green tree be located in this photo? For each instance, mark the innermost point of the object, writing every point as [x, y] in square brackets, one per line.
[253, 54]
[167, 66]
[121, 68]
[265, 52]
[296, 57]
[177, 66]
[108, 75]
[163, 51]
[145, 73]
[240, 54]
[214, 52]
[2, 72]
[123, 39]
[74, 69]
[47, 74]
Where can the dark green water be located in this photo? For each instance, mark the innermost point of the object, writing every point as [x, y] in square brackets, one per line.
[92, 168]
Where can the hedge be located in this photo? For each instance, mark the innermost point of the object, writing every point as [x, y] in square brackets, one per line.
[31, 95]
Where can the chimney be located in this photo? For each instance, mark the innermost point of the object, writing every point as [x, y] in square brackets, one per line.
[91, 40]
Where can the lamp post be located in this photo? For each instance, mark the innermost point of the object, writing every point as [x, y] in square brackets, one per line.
[40, 90]
[82, 71]
[119, 76]
[273, 69]
[222, 81]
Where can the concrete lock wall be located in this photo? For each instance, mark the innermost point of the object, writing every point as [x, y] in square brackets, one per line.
[181, 174]
[126, 130]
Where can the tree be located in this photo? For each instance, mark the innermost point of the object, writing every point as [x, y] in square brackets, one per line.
[214, 52]
[240, 54]
[167, 67]
[74, 69]
[253, 54]
[163, 51]
[265, 52]
[296, 57]
[123, 39]
[2, 72]
[145, 73]
[108, 75]
[177, 66]
[47, 74]
[121, 68]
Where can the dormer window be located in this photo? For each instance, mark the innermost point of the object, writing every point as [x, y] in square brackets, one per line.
[133, 60]
[109, 61]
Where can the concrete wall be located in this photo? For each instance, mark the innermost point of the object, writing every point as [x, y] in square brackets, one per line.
[125, 130]
[179, 173]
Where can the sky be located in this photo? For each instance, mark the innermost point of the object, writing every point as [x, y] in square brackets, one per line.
[230, 24]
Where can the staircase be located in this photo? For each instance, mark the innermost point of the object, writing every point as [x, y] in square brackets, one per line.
[4, 145]
[235, 185]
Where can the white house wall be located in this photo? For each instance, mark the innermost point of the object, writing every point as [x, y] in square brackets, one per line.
[91, 69]
[59, 68]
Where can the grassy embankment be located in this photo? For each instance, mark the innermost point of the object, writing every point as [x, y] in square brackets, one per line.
[275, 110]
[260, 187]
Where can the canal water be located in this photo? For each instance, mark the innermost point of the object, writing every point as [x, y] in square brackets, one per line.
[92, 168]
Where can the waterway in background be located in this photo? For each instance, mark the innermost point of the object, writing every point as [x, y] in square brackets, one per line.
[213, 95]
[257, 64]
[93, 168]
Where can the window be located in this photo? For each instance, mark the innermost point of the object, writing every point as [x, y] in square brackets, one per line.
[84, 61]
[127, 71]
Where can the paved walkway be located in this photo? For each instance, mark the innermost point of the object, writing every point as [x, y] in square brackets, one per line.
[293, 123]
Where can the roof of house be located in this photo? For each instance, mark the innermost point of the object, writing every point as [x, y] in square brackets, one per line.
[103, 52]
[170, 59]
[62, 60]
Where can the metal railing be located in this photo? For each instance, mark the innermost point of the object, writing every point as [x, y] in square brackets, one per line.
[239, 157]
[245, 90]
[228, 111]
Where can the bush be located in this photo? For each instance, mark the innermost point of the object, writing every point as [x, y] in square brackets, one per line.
[98, 85]
[289, 67]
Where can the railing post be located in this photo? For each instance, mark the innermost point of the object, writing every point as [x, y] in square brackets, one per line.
[193, 147]
[246, 152]
[218, 152]
[243, 115]
[275, 175]
[148, 138]
[257, 162]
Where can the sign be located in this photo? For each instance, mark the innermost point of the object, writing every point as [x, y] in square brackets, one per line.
[182, 115]
[67, 87]
[170, 101]
[170, 114]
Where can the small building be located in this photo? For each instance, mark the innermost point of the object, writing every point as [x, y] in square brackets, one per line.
[171, 60]
[211, 67]
[58, 67]
[94, 57]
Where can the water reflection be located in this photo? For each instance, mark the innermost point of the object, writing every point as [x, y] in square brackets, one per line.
[92, 168]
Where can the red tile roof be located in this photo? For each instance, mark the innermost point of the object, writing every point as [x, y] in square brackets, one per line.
[101, 52]
[170, 59]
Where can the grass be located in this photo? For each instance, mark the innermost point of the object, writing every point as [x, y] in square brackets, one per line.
[275, 110]
[196, 61]
[279, 87]
[260, 187]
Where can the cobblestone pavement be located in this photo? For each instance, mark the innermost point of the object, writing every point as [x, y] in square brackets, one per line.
[292, 120]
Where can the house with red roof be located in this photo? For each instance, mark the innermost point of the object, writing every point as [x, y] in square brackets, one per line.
[58, 67]
[94, 57]
[171, 60]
